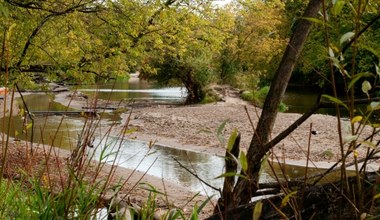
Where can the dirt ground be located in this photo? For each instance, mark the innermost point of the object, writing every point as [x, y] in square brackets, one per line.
[195, 128]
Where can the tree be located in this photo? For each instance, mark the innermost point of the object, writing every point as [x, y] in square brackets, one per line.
[65, 41]
[337, 47]
[182, 49]
[247, 185]
[255, 41]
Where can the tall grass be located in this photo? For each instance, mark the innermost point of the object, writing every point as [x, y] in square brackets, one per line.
[43, 183]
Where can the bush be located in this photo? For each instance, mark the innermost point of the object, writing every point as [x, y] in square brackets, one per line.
[247, 96]
[258, 98]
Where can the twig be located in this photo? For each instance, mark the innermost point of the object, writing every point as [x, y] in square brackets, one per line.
[249, 118]
[196, 176]
[30, 116]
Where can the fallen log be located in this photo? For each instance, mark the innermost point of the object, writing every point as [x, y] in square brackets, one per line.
[69, 113]
[100, 107]
[325, 201]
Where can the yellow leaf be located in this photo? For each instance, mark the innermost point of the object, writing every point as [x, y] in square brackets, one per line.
[257, 210]
[130, 131]
[286, 199]
[356, 154]
[356, 119]
[377, 196]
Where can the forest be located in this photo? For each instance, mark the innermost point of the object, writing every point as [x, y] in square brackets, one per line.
[259, 47]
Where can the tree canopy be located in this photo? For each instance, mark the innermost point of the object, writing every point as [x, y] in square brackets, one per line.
[88, 41]
[188, 42]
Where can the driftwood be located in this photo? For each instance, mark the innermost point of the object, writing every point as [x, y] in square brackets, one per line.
[324, 201]
[71, 113]
[99, 107]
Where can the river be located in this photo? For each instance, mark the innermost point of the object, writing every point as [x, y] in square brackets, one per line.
[159, 161]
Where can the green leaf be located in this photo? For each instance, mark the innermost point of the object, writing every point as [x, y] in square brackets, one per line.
[346, 37]
[29, 126]
[197, 210]
[368, 144]
[366, 86]
[357, 77]
[257, 210]
[243, 161]
[286, 199]
[317, 21]
[22, 112]
[130, 131]
[337, 6]
[373, 106]
[232, 140]
[335, 100]
[219, 132]
[377, 70]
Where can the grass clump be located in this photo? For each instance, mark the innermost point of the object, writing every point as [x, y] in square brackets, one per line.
[71, 187]
[258, 98]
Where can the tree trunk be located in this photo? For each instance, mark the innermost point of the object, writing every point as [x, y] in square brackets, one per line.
[245, 187]
[195, 92]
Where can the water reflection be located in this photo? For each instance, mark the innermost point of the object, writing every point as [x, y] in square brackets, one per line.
[293, 172]
[52, 130]
[160, 161]
[136, 90]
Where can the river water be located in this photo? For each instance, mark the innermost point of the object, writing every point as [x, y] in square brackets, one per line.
[159, 161]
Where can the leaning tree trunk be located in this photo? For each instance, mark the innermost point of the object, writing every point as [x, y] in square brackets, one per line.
[245, 187]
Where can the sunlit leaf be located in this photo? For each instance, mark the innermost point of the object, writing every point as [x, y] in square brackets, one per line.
[335, 100]
[368, 144]
[377, 196]
[350, 138]
[366, 86]
[356, 154]
[346, 37]
[286, 199]
[22, 112]
[377, 70]
[243, 161]
[356, 119]
[232, 140]
[219, 132]
[257, 210]
[337, 6]
[331, 52]
[373, 106]
[29, 126]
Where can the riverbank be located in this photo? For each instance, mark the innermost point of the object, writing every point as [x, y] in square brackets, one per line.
[19, 158]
